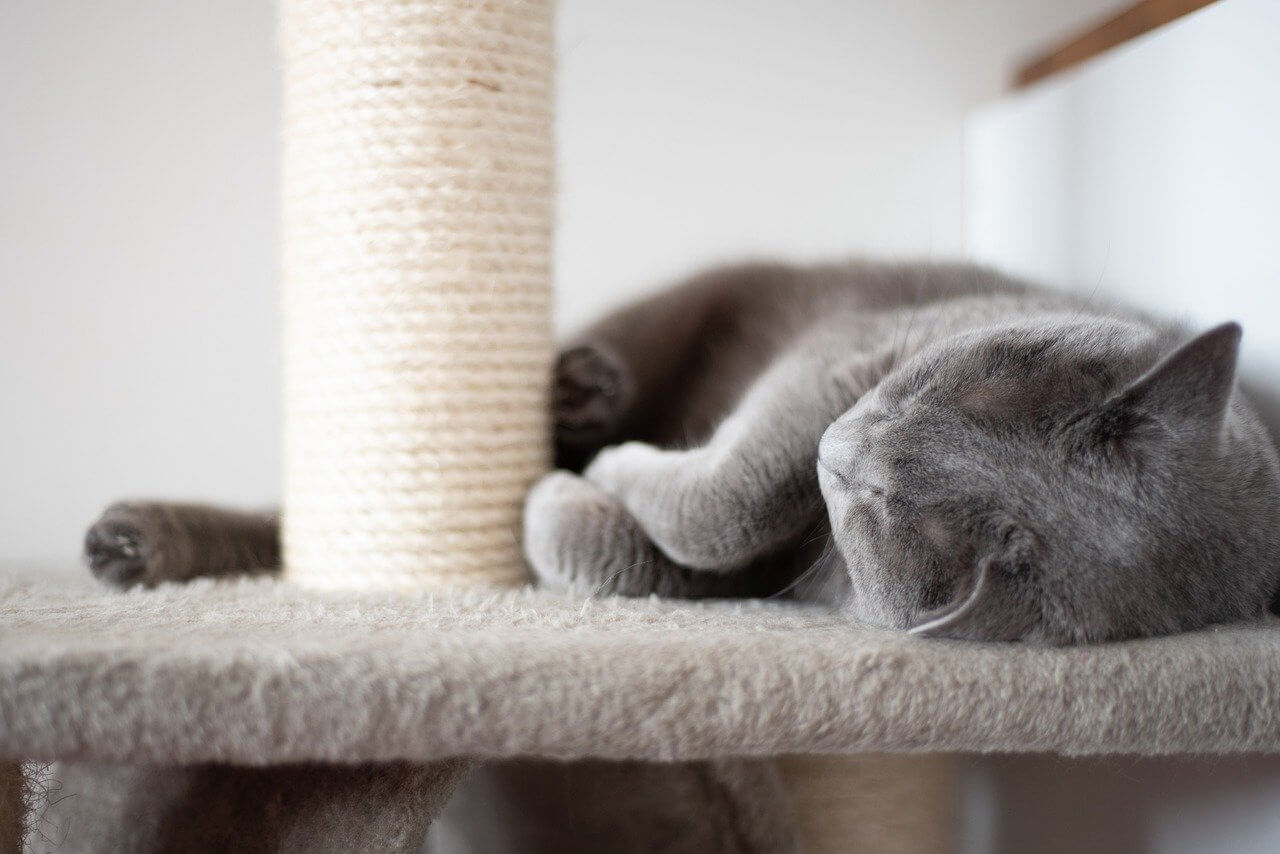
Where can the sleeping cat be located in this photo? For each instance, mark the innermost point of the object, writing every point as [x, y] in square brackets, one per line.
[935, 448]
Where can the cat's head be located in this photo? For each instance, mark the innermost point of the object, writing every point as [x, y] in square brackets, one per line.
[1060, 482]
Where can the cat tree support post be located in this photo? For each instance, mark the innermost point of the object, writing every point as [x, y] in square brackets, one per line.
[12, 806]
[417, 239]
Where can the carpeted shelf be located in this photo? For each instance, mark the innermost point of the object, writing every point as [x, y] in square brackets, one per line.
[260, 672]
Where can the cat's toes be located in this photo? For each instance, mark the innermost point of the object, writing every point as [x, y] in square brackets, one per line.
[567, 525]
[119, 547]
[589, 391]
[549, 513]
[113, 553]
[619, 467]
[589, 396]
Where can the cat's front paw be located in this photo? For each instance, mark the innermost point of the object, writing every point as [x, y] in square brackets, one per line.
[121, 548]
[578, 538]
[555, 509]
[632, 469]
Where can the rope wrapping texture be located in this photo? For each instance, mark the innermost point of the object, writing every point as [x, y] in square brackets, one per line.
[416, 232]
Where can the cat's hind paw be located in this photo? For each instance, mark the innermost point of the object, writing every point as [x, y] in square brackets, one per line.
[116, 549]
[131, 544]
[590, 394]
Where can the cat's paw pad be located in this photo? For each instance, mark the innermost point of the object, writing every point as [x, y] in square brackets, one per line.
[118, 548]
[589, 394]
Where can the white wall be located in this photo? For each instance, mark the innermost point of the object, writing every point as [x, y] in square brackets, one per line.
[1151, 175]
[137, 262]
[137, 201]
[694, 131]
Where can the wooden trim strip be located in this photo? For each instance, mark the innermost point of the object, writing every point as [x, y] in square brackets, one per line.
[1139, 18]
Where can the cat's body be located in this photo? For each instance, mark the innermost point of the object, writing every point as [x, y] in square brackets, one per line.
[936, 447]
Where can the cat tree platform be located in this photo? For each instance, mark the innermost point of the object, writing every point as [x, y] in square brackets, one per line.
[261, 672]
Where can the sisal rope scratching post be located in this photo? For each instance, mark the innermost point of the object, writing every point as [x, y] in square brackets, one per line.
[417, 239]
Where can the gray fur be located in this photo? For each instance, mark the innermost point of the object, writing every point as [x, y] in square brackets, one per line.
[147, 542]
[934, 448]
[989, 461]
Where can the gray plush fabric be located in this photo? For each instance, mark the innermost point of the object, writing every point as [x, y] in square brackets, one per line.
[259, 672]
[126, 809]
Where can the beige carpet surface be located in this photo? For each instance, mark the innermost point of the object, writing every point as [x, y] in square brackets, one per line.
[259, 672]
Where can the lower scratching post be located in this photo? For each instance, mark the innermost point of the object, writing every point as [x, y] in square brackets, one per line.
[883, 802]
[13, 806]
[728, 806]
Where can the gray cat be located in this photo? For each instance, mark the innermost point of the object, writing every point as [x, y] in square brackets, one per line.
[934, 448]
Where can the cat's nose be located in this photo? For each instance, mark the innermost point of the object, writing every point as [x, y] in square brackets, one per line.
[848, 453]
[846, 442]
[835, 452]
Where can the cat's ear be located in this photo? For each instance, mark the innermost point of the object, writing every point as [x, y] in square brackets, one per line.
[1189, 389]
[993, 607]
